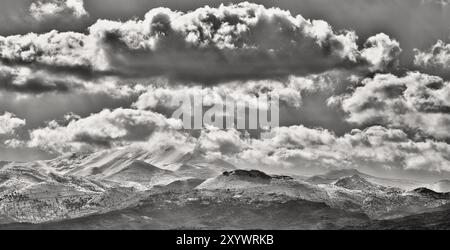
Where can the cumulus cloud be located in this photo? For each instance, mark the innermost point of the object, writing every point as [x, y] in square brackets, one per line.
[376, 146]
[416, 101]
[288, 92]
[435, 60]
[288, 147]
[9, 122]
[241, 41]
[57, 49]
[242, 52]
[44, 9]
[26, 80]
[216, 142]
[299, 147]
[101, 130]
[382, 52]
[50, 62]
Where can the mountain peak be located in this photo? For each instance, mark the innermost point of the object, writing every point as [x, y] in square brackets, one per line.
[335, 175]
[237, 179]
[344, 172]
[356, 182]
[430, 193]
[247, 174]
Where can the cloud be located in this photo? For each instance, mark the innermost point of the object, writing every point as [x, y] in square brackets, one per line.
[293, 147]
[9, 122]
[241, 51]
[58, 49]
[26, 80]
[382, 52]
[50, 62]
[44, 9]
[101, 130]
[376, 146]
[289, 92]
[23, 79]
[312, 149]
[416, 101]
[435, 60]
[215, 142]
[236, 42]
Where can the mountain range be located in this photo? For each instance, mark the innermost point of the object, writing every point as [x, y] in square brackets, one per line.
[168, 188]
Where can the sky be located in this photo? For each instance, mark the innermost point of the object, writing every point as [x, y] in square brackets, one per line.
[362, 83]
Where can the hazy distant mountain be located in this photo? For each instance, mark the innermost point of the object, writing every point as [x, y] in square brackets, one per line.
[334, 175]
[442, 186]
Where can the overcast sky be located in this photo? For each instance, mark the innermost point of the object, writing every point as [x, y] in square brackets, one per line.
[362, 83]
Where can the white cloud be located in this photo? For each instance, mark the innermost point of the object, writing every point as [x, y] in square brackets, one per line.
[215, 142]
[288, 91]
[63, 49]
[415, 101]
[22, 79]
[43, 9]
[298, 146]
[436, 59]
[101, 130]
[9, 122]
[382, 52]
[235, 42]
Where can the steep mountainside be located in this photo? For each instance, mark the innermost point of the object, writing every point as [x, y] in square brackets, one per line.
[334, 175]
[29, 195]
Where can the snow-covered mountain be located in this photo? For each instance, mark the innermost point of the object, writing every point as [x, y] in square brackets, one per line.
[334, 175]
[81, 185]
[28, 194]
[356, 182]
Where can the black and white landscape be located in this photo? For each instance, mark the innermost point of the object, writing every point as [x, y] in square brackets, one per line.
[89, 89]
